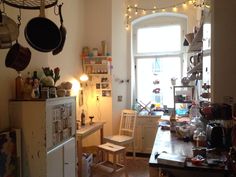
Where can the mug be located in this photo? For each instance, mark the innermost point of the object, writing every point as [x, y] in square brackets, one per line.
[195, 59]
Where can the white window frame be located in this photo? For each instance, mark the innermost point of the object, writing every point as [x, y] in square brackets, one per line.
[158, 20]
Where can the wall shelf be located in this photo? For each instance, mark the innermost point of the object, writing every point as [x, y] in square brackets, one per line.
[97, 65]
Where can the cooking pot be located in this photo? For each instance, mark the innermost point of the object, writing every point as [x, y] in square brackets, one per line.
[18, 57]
[9, 31]
[41, 33]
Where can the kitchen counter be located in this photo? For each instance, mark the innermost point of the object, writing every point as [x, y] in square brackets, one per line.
[167, 142]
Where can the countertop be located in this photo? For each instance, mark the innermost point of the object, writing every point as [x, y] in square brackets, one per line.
[167, 142]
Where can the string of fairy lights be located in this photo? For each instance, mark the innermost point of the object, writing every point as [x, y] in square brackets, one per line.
[134, 11]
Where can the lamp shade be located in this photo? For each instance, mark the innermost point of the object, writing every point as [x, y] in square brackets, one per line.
[84, 77]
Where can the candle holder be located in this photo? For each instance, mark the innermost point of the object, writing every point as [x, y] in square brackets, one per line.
[91, 120]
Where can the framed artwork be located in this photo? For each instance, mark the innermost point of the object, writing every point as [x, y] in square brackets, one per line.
[104, 79]
[106, 93]
[98, 86]
[105, 86]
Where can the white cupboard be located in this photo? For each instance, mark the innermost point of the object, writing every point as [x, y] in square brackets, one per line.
[48, 135]
[145, 133]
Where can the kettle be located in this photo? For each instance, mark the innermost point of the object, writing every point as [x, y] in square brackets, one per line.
[215, 135]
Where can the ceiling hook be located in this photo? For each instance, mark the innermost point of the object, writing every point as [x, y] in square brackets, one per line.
[56, 11]
[19, 17]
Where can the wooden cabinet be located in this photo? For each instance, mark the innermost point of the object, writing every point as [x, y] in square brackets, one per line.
[48, 136]
[61, 160]
[145, 133]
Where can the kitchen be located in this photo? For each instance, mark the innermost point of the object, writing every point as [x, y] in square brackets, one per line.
[80, 20]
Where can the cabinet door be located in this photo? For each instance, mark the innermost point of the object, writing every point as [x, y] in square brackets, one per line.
[70, 158]
[138, 138]
[149, 133]
[55, 162]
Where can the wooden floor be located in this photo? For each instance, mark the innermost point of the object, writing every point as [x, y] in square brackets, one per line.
[137, 167]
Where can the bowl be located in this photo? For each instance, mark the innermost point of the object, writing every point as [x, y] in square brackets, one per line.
[61, 92]
[197, 160]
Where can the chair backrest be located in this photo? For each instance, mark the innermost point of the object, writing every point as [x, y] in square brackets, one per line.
[128, 122]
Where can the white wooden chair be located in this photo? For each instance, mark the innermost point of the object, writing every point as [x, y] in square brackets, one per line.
[126, 131]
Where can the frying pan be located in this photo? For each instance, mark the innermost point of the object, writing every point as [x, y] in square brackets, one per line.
[41, 33]
[9, 31]
[63, 34]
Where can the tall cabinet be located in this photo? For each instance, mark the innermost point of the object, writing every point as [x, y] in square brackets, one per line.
[48, 136]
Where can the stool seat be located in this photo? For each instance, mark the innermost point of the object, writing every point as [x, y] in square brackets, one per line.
[107, 161]
[111, 147]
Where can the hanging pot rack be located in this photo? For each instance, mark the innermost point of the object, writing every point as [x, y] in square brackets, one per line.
[29, 4]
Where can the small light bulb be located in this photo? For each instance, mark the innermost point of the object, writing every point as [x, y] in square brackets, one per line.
[129, 9]
[136, 12]
[175, 9]
[127, 27]
[184, 5]
[163, 10]
[144, 12]
[135, 5]
[190, 2]
[153, 11]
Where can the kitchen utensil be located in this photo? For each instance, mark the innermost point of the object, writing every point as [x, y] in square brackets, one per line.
[189, 37]
[41, 33]
[63, 34]
[185, 81]
[8, 31]
[18, 57]
[196, 59]
[215, 135]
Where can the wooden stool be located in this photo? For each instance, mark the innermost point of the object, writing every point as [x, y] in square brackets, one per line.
[111, 159]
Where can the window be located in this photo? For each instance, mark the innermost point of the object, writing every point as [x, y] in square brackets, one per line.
[158, 57]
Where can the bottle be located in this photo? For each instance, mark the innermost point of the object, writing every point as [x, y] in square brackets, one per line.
[194, 111]
[104, 48]
[82, 118]
[19, 86]
[36, 85]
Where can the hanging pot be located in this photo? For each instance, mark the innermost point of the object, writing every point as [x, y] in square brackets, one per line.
[41, 33]
[9, 31]
[63, 34]
[18, 57]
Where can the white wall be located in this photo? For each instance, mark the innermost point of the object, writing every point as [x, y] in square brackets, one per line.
[121, 63]
[68, 60]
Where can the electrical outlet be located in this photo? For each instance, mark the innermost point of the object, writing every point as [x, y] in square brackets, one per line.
[119, 98]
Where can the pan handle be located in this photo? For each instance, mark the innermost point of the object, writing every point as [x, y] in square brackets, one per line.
[42, 8]
[60, 14]
[0, 17]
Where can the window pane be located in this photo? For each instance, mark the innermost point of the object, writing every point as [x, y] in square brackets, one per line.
[154, 74]
[159, 39]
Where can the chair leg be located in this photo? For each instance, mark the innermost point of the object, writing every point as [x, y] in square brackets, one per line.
[134, 154]
[125, 164]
